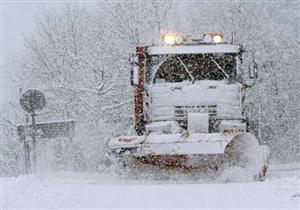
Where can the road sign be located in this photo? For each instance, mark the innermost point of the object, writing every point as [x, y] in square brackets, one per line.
[48, 129]
[32, 100]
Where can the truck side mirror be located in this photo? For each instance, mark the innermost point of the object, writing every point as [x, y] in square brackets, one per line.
[134, 75]
[253, 71]
[134, 70]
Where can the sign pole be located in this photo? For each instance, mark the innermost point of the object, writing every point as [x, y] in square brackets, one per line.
[27, 151]
[33, 141]
[21, 130]
[27, 156]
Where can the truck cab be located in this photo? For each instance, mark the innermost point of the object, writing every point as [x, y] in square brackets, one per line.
[196, 79]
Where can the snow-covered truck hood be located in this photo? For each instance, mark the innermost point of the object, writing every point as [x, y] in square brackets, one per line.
[224, 98]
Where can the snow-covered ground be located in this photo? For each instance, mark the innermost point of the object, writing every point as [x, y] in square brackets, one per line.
[91, 190]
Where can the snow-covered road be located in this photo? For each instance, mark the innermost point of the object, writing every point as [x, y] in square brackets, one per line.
[89, 190]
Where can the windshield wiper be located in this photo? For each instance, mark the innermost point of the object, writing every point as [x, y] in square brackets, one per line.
[219, 67]
[186, 69]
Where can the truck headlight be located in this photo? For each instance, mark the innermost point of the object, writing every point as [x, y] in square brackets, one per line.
[217, 38]
[169, 39]
[213, 37]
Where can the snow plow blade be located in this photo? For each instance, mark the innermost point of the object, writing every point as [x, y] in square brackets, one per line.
[171, 144]
[185, 150]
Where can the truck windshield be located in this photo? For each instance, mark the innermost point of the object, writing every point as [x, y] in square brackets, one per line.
[179, 68]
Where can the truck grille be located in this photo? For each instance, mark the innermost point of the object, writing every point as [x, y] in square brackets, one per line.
[180, 112]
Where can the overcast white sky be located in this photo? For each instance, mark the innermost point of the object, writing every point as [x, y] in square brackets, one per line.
[17, 21]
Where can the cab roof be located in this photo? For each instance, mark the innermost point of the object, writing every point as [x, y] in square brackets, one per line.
[193, 49]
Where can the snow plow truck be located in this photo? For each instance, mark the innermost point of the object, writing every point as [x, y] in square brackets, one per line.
[189, 98]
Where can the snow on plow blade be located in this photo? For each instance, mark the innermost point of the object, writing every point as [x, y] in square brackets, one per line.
[171, 144]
